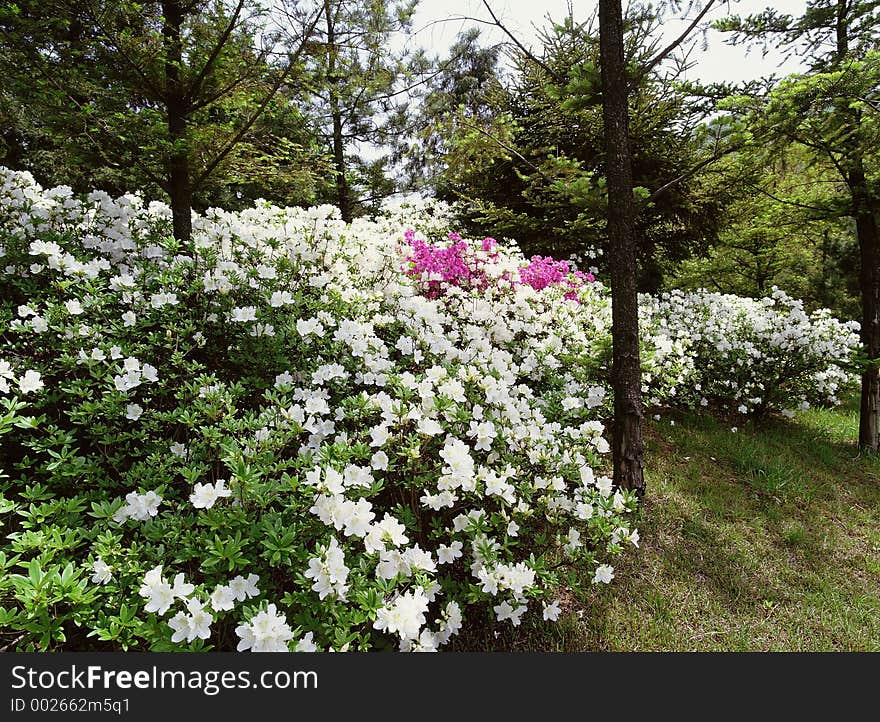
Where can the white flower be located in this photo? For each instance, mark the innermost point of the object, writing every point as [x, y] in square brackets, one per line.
[379, 461]
[222, 598]
[506, 611]
[180, 625]
[157, 592]
[306, 644]
[133, 412]
[139, 507]
[604, 574]
[243, 315]
[181, 588]
[551, 611]
[31, 381]
[405, 616]
[198, 622]
[379, 436]
[280, 298]
[102, 572]
[448, 554]
[283, 380]
[307, 326]
[387, 531]
[158, 300]
[329, 572]
[129, 318]
[574, 541]
[204, 496]
[244, 587]
[267, 631]
[74, 307]
[604, 484]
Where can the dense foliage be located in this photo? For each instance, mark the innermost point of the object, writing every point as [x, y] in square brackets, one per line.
[296, 433]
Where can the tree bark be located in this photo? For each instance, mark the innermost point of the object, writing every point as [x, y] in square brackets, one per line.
[626, 373]
[343, 193]
[864, 210]
[177, 107]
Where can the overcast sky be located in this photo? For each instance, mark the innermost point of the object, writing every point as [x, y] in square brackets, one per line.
[436, 31]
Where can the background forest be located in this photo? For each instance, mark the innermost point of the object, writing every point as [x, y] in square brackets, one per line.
[339, 104]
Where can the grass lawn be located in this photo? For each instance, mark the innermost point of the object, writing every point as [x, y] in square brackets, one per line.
[764, 539]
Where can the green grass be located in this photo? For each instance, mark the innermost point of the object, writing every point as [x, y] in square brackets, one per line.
[764, 539]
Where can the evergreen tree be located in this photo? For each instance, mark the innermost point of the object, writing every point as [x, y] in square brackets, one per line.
[172, 88]
[831, 112]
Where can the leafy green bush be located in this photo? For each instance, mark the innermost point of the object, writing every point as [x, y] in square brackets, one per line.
[268, 438]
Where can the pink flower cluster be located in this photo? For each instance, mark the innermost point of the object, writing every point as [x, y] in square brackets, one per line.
[544, 271]
[459, 264]
[455, 264]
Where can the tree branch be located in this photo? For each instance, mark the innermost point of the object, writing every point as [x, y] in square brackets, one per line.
[688, 173]
[663, 54]
[829, 213]
[519, 45]
[307, 33]
[157, 91]
[196, 85]
[206, 101]
[508, 148]
[112, 135]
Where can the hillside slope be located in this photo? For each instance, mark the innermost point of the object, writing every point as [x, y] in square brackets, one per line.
[767, 538]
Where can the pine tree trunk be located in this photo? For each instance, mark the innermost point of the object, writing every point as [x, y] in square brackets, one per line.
[343, 195]
[179, 182]
[626, 373]
[864, 208]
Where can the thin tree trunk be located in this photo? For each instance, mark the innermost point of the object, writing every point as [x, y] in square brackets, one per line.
[869, 281]
[864, 208]
[343, 194]
[628, 447]
[177, 106]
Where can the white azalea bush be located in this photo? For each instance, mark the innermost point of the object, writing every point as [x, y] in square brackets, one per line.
[281, 437]
[744, 355]
[298, 434]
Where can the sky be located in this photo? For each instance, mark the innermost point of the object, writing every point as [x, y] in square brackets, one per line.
[438, 21]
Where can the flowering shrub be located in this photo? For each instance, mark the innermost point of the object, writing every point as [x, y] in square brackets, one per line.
[744, 355]
[297, 434]
[698, 349]
[474, 266]
[270, 438]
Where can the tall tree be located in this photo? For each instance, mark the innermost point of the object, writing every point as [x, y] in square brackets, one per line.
[461, 91]
[146, 74]
[617, 82]
[359, 80]
[525, 154]
[824, 111]
[779, 229]
[626, 370]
